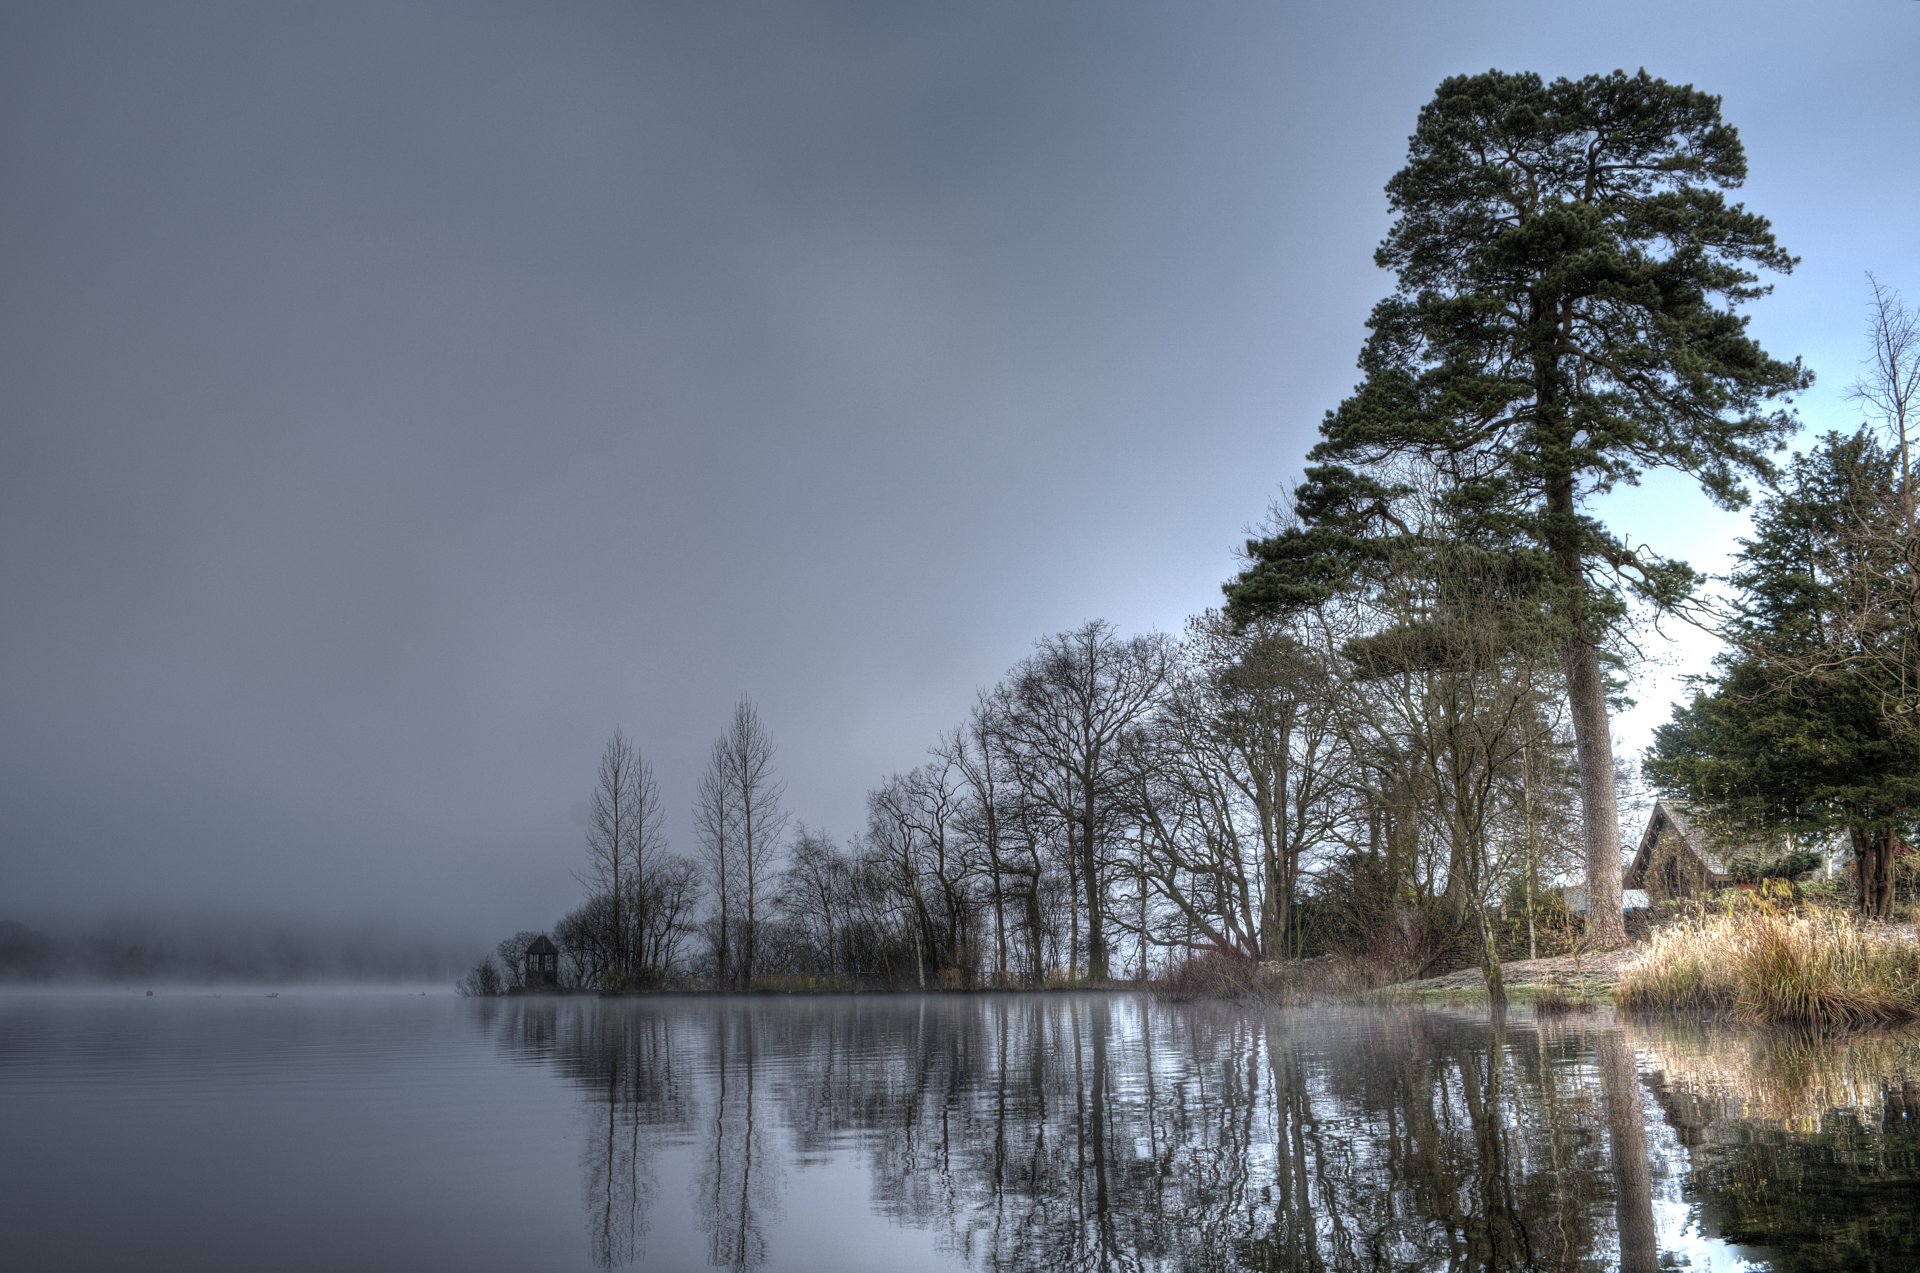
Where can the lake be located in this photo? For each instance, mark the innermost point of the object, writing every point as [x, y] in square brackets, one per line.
[214, 1130]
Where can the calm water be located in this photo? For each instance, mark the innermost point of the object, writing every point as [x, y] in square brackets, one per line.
[382, 1131]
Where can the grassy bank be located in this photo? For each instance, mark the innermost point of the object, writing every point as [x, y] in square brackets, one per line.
[1811, 968]
[1554, 984]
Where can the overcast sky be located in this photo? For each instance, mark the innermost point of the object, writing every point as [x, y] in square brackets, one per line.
[395, 398]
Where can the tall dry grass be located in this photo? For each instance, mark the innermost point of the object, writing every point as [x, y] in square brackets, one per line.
[1812, 968]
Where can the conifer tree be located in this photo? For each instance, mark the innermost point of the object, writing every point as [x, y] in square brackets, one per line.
[1568, 270]
[1807, 727]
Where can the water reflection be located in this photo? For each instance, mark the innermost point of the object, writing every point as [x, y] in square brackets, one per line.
[1116, 1133]
[1807, 1148]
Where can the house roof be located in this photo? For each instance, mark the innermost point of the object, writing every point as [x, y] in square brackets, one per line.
[1715, 849]
[1677, 815]
[542, 945]
[1712, 851]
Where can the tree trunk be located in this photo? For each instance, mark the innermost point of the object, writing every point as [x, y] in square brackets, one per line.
[1873, 870]
[722, 971]
[1599, 812]
[1278, 900]
[1593, 740]
[1533, 856]
[1490, 960]
[1627, 1139]
[999, 923]
[1037, 957]
[1073, 907]
[1097, 965]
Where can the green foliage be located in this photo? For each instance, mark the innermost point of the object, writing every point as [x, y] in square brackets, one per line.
[1802, 726]
[1752, 868]
[1568, 269]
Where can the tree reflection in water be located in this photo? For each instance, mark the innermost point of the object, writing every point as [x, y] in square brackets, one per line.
[1116, 1133]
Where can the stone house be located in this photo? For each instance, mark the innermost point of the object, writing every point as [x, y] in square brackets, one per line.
[1676, 857]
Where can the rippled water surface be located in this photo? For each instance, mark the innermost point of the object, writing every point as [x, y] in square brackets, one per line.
[390, 1131]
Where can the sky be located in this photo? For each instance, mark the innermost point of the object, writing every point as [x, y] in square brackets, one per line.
[396, 398]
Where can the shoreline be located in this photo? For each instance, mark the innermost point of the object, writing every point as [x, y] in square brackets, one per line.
[1590, 979]
[816, 992]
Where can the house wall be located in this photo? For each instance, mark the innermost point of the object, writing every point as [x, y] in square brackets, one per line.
[542, 970]
[1673, 870]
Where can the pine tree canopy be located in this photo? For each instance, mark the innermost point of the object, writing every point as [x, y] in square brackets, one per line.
[1568, 269]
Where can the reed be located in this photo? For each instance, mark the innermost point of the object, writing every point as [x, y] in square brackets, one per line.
[1553, 999]
[1812, 968]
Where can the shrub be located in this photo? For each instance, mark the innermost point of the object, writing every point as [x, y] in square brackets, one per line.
[482, 980]
[1217, 974]
[1211, 974]
[1835, 894]
[1362, 915]
[1556, 929]
[1555, 1000]
[1750, 868]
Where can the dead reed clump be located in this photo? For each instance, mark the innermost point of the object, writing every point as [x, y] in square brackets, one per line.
[1552, 1000]
[1812, 968]
[1289, 983]
[1212, 974]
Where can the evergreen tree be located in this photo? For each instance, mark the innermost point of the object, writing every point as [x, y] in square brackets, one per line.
[1568, 270]
[1807, 728]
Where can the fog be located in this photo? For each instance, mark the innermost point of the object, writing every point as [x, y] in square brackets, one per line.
[395, 399]
[138, 951]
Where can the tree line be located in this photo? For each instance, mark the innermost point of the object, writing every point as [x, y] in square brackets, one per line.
[1394, 736]
[1112, 804]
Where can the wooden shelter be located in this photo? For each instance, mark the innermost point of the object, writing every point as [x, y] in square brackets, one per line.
[542, 971]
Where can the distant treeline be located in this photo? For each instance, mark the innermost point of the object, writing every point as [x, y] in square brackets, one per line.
[141, 952]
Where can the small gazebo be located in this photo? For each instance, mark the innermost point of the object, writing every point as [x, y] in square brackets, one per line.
[542, 970]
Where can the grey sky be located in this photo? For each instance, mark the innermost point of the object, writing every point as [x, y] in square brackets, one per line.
[395, 398]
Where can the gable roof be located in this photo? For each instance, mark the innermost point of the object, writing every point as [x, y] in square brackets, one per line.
[1678, 817]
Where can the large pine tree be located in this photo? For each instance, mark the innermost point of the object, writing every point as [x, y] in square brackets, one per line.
[1568, 272]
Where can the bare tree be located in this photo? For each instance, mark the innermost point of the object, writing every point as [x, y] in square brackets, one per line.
[713, 827]
[585, 938]
[1228, 785]
[739, 821]
[1075, 697]
[625, 833]
[512, 953]
[813, 895]
[974, 751]
[482, 981]
[672, 892]
[1891, 387]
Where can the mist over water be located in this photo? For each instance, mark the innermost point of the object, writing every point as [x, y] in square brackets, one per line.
[400, 1131]
[226, 949]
